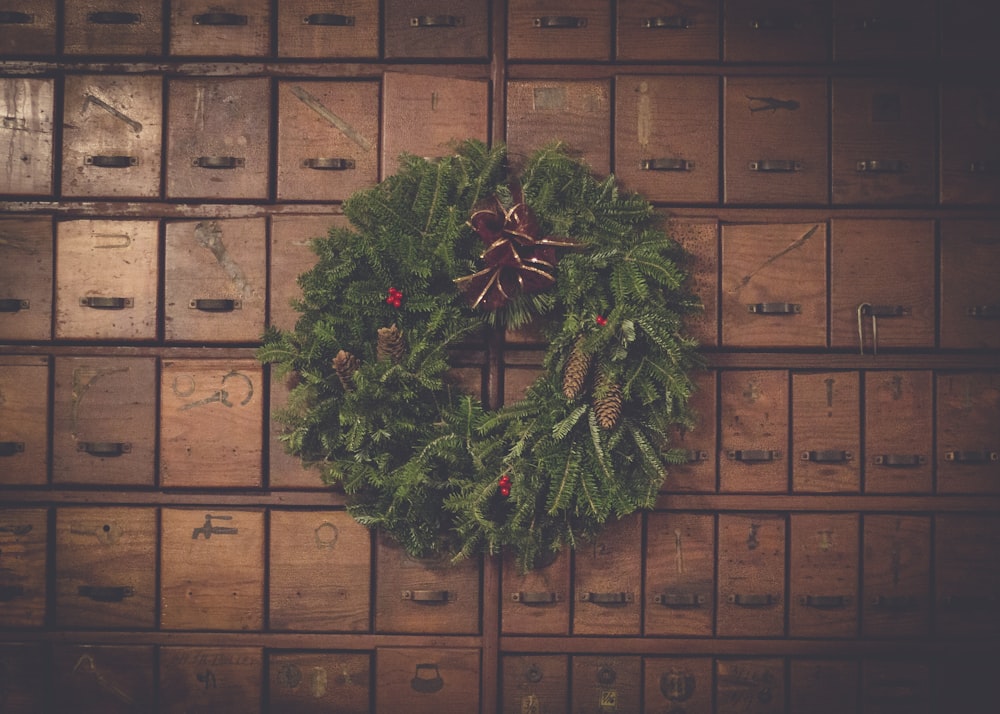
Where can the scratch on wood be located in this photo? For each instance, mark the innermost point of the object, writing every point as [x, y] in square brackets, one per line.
[208, 234]
[797, 244]
[346, 129]
[83, 379]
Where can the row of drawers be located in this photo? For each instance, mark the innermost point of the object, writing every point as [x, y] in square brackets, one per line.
[671, 574]
[888, 146]
[591, 30]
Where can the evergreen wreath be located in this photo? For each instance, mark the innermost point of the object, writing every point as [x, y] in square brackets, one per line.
[438, 255]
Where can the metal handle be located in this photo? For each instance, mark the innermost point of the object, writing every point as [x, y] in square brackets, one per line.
[218, 19]
[535, 598]
[328, 19]
[882, 166]
[111, 162]
[219, 162]
[668, 22]
[970, 457]
[106, 303]
[775, 308]
[824, 602]
[775, 166]
[105, 593]
[11, 592]
[215, 304]
[778, 22]
[894, 603]
[328, 164]
[14, 305]
[886, 310]
[104, 448]
[984, 312]
[12, 17]
[693, 456]
[679, 600]
[751, 600]
[619, 598]
[827, 456]
[899, 461]
[114, 18]
[437, 21]
[666, 165]
[559, 22]
[428, 596]
[753, 455]
[990, 168]
[10, 448]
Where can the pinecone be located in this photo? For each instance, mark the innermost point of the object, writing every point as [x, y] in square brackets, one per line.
[608, 407]
[346, 364]
[575, 374]
[391, 344]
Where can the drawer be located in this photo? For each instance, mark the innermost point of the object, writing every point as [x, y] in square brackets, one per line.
[25, 669]
[750, 685]
[559, 30]
[429, 29]
[700, 239]
[105, 284]
[649, 30]
[446, 109]
[315, 682]
[105, 567]
[881, 283]
[897, 30]
[890, 686]
[426, 680]
[678, 684]
[775, 140]
[104, 421]
[536, 602]
[576, 113]
[698, 442]
[968, 30]
[970, 294]
[823, 686]
[968, 412]
[774, 285]
[753, 439]
[24, 543]
[826, 432]
[320, 572]
[232, 27]
[680, 574]
[787, 31]
[217, 138]
[112, 129]
[291, 256]
[203, 402]
[24, 416]
[327, 139]
[215, 281]
[751, 598]
[883, 142]
[103, 679]
[210, 679]
[350, 29]
[28, 27]
[897, 576]
[26, 118]
[667, 137]
[535, 683]
[607, 581]
[966, 580]
[823, 575]
[113, 27]
[26, 273]
[212, 579]
[899, 431]
[605, 683]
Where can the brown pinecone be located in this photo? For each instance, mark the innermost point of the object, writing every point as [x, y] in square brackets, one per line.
[346, 364]
[608, 407]
[391, 344]
[575, 374]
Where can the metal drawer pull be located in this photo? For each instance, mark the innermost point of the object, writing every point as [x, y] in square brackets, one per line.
[780, 22]
[824, 602]
[328, 19]
[107, 303]
[828, 456]
[105, 593]
[753, 455]
[111, 162]
[984, 312]
[215, 304]
[11, 592]
[14, 305]
[219, 19]
[678, 600]
[105, 448]
[876, 166]
[327, 164]
[219, 162]
[114, 18]
[666, 165]
[753, 600]
[12, 17]
[693, 456]
[10, 448]
[559, 22]
[535, 598]
[669, 22]
[894, 603]
[437, 21]
[607, 598]
[775, 166]
[886, 310]
[775, 308]
[899, 461]
[429, 596]
[970, 457]
[984, 167]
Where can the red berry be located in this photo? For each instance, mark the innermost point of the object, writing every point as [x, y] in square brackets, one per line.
[601, 320]
[390, 300]
[505, 490]
[396, 302]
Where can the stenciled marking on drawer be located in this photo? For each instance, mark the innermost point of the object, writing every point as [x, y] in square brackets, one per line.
[795, 245]
[318, 680]
[825, 540]
[427, 678]
[745, 687]
[326, 535]
[208, 235]
[548, 99]
[289, 675]
[87, 668]
[678, 551]
[829, 382]
[106, 533]
[90, 99]
[677, 685]
[207, 678]
[333, 119]
[772, 104]
[208, 529]
[644, 116]
[240, 397]
[752, 541]
[83, 379]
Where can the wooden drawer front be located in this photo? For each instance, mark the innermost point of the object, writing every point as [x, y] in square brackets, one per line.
[699, 441]
[889, 687]
[517, 380]
[535, 683]
[966, 579]
[826, 431]
[327, 139]
[201, 402]
[970, 293]
[576, 112]
[26, 279]
[426, 681]
[675, 684]
[823, 686]
[444, 110]
[315, 682]
[348, 28]
[750, 685]
[754, 431]
[899, 431]
[210, 679]
[557, 29]
[649, 30]
[775, 30]
[234, 27]
[883, 142]
[751, 599]
[424, 595]
[112, 136]
[892, 29]
[700, 238]
[24, 680]
[103, 679]
[320, 572]
[217, 138]
[104, 423]
[24, 415]
[897, 576]
[291, 256]
[26, 111]
[216, 280]
[536, 602]
[28, 27]
[602, 684]
[212, 569]
[883, 269]
[23, 543]
[970, 144]
[823, 578]
[776, 134]
[436, 29]
[105, 279]
[774, 285]
[968, 415]
[607, 581]
[968, 30]
[680, 574]
[666, 137]
[113, 27]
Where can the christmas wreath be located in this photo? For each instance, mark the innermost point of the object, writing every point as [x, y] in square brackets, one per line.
[437, 257]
